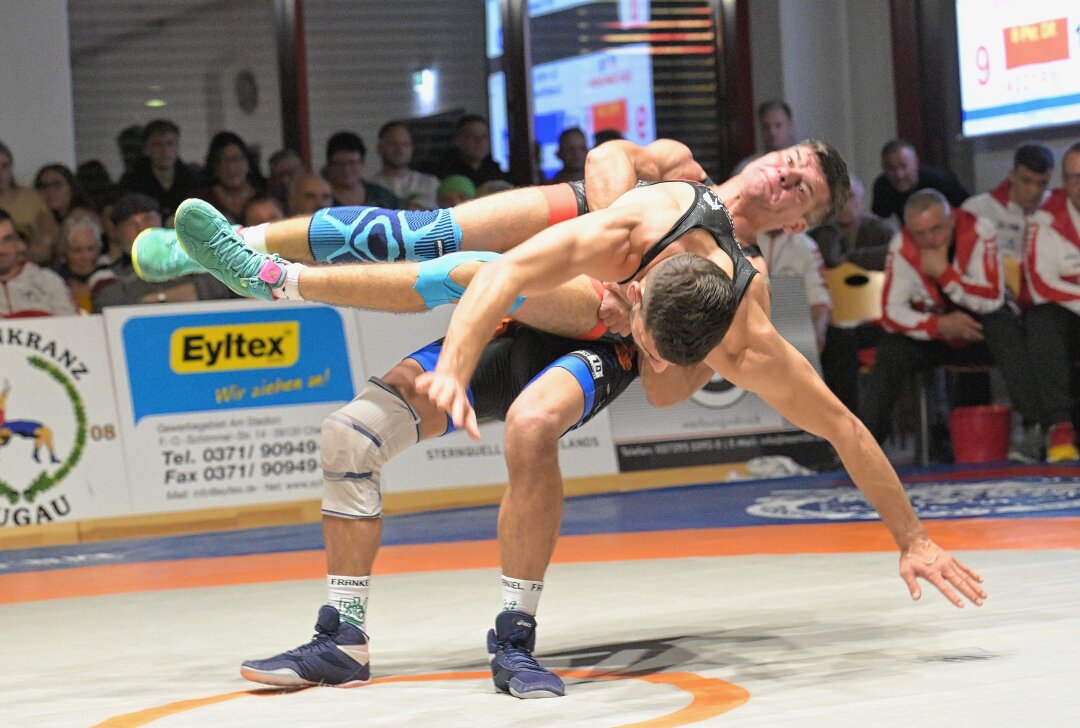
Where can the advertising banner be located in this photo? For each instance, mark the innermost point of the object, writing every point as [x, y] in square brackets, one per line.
[222, 404]
[60, 452]
[455, 459]
[722, 423]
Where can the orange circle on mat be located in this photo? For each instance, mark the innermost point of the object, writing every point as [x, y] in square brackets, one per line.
[711, 696]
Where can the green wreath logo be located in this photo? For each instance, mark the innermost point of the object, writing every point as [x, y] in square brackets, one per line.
[44, 481]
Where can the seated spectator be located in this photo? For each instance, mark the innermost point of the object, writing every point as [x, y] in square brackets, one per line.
[454, 190]
[111, 249]
[469, 154]
[345, 154]
[160, 173]
[572, 151]
[777, 126]
[797, 255]
[308, 194]
[945, 304]
[130, 144]
[80, 254]
[231, 176]
[1053, 323]
[855, 235]
[1009, 205]
[285, 166]
[606, 135]
[261, 209]
[902, 175]
[95, 180]
[27, 211]
[132, 214]
[62, 193]
[395, 149]
[27, 289]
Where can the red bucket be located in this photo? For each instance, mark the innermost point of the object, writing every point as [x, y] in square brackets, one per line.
[980, 434]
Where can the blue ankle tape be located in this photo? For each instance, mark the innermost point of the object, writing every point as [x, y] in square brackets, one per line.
[435, 285]
[377, 235]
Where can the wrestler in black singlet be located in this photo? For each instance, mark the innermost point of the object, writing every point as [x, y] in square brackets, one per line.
[709, 214]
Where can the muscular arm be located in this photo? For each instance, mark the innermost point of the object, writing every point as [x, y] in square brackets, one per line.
[615, 167]
[774, 370]
[597, 244]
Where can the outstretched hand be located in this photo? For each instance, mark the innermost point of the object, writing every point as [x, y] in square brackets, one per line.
[929, 561]
[450, 395]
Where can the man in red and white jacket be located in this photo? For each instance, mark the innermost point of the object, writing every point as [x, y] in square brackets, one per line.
[1052, 267]
[944, 303]
[1009, 205]
[25, 288]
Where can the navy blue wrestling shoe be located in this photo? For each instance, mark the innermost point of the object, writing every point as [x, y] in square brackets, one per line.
[337, 655]
[513, 667]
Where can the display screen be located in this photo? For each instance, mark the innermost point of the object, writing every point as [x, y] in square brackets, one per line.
[577, 81]
[1019, 64]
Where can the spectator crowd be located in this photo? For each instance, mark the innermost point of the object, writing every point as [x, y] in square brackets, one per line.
[988, 279]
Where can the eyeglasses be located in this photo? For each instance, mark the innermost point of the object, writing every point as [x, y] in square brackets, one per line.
[1070, 177]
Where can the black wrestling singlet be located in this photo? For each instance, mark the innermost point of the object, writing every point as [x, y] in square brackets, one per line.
[709, 214]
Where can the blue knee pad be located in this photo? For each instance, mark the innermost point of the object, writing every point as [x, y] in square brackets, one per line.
[377, 235]
[437, 288]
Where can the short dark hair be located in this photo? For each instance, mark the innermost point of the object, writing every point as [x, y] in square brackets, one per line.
[345, 141]
[392, 124]
[1036, 157]
[767, 106]
[895, 145]
[567, 132]
[469, 119]
[606, 135]
[79, 198]
[837, 178]
[281, 154]
[132, 203]
[259, 200]
[1074, 149]
[690, 305]
[159, 126]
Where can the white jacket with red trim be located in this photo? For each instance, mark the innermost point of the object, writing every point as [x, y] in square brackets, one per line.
[36, 291]
[912, 301]
[1052, 265]
[1008, 218]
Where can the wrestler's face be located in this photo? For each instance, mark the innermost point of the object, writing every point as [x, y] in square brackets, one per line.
[787, 186]
[642, 336]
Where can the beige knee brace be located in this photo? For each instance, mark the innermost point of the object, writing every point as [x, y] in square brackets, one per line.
[357, 440]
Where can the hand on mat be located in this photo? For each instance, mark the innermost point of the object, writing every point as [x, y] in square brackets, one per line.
[929, 561]
[449, 394]
[615, 310]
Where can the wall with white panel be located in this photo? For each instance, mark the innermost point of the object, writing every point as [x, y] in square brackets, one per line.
[35, 85]
[189, 54]
[361, 58]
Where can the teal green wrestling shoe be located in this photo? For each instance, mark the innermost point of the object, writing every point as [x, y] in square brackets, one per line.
[157, 256]
[209, 239]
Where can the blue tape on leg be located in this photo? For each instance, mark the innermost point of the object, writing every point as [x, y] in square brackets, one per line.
[435, 285]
